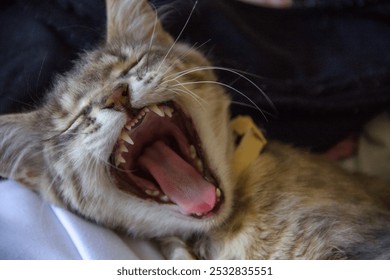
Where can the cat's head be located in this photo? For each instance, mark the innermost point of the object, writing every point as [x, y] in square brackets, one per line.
[134, 137]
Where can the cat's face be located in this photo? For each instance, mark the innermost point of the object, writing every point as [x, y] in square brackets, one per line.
[135, 137]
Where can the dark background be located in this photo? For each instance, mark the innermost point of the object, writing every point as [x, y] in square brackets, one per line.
[324, 64]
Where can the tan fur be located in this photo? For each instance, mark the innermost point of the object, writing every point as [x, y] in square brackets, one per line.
[291, 205]
[286, 205]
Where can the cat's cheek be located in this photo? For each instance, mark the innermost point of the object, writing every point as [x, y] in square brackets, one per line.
[109, 125]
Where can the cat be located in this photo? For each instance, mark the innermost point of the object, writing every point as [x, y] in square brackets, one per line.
[137, 138]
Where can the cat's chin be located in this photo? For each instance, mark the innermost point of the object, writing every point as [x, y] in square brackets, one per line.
[159, 158]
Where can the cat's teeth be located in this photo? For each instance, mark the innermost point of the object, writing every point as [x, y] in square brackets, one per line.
[152, 193]
[119, 159]
[141, 116]
[198, 214]
[199, 165]
[168, 111]
[125, 137]
[193, 152]
[218, 193]
[154, 108]
[165, 198]
[123, 149]
[136, 120]
[131, 125]
[144, 111]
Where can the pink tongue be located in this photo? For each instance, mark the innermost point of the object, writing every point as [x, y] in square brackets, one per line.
[178, 179]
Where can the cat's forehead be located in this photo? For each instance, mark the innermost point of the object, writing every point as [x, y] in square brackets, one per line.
[97, 74]
[99, 67]
[113, 59]
[115, 53]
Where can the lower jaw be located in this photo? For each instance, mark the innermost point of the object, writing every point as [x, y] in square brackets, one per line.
[163, 202]
[134, 189]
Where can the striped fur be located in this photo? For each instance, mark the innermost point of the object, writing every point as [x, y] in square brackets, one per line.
[286, 205]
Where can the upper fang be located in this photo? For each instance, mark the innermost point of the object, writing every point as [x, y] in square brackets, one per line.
[118, 160]
[168, 111]
[126, 138]
[123, 149]
[154, 108]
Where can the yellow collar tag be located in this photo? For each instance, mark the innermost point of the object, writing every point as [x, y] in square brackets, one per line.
[251, 144]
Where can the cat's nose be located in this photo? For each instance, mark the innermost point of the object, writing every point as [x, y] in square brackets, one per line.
[119, 98]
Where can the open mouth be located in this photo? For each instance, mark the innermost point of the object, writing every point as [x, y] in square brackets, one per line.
[159, 157]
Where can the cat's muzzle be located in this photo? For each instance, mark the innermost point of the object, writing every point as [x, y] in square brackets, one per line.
[159, 157]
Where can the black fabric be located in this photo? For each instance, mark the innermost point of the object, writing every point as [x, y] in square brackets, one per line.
[40, 39]
[324, 64]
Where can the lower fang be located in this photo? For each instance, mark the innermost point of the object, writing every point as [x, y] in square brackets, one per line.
[123, 149]
[119, 159]
[218, 193]
[154, 108]
[192, 152]
[199, 165]
[165, 198]
[152, 193]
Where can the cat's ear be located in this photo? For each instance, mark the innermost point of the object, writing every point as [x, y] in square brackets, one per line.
[135, 20]
[21, 150]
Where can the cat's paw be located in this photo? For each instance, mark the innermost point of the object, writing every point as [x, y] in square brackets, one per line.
[174, 248]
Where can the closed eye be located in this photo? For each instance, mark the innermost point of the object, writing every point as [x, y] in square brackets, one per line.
[132, 65]
[77, 120]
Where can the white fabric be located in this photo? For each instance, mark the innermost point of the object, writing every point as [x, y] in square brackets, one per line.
[33, 229]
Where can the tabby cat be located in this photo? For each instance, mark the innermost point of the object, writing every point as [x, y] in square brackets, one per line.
[137, 138]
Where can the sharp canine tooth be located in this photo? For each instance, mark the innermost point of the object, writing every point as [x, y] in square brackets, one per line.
[199, 165]
[123, 149]
[119, 159]
[148, 192]
[164, 198]
[126, 137]
[152, 193]
[193, 152]
[168, 111]
[218, 193]
[156, 110]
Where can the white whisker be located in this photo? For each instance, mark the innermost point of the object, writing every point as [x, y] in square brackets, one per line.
[192, 48]
[178, 37]
[229, 87]
[202, 68]
[190, 93]
[152, 37]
